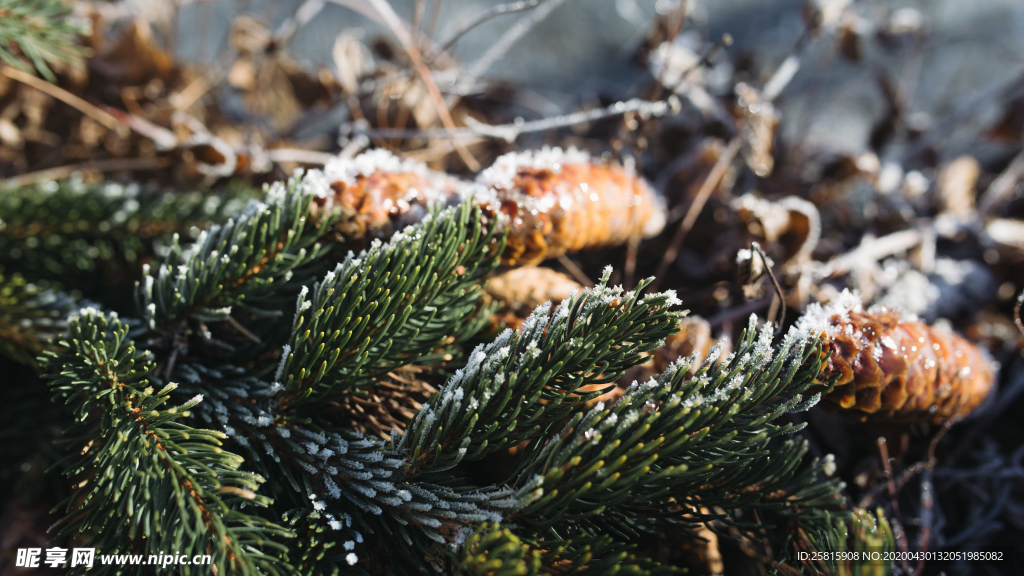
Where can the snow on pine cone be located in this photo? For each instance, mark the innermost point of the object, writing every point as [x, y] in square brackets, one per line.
[894, 368]
[555, 201]
[550, 201]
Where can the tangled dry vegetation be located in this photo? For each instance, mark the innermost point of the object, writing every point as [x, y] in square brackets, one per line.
[692, 181]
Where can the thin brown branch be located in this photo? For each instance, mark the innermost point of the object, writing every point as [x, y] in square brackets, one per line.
[108, 165]
[368, 8]
[1003, 186]
[775, 284]
[405, 38]
[499, 10]
[575, 270]
[510, 37]
[710, 184]
[509, 132]
[64, 96]
[883, 454]
[1016, 313]
[243, 330]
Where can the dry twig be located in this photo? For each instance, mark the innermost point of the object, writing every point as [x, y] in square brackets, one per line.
[1016, 313]
[710, 184]
[109, 165]
[511, 36]
[775, 283]
[1002, 187]
[64, 96]
[575, 270]
[499, 10]
[405, 38]
[509, 132]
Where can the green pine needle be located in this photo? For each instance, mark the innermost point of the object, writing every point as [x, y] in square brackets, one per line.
[41, 32]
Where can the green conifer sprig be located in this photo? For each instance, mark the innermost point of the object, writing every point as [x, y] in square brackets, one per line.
[260, 416]
[525, 381]
[80, 235]
[664, 450]
[251, 257]
[40, 31]
[395, 304]
[30, 316]
[145, 482]
[495, 549]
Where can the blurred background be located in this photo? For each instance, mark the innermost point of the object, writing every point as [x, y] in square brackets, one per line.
[585, 51]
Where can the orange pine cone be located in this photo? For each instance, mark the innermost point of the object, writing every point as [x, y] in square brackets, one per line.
[897, 369]
[550, 201]
[556, 201]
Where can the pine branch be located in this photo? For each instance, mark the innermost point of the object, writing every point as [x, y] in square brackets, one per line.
[495, 550]
[324, 543]
[30, 316]
[681, 443]
[521, 384]
[861, 534]
[97, 236]
[242, 263]
[398, 495]
[240, 274]
[40, 31]
[395, 304]
[696, 444]
[146, 483]
[430, 272]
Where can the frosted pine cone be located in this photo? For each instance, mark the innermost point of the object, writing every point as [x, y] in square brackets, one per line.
[896, 369]
[556, 201]
[549, 201]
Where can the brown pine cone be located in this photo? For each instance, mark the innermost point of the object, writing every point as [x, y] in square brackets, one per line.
[894, 368]
[556, 201]
[521, 290]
